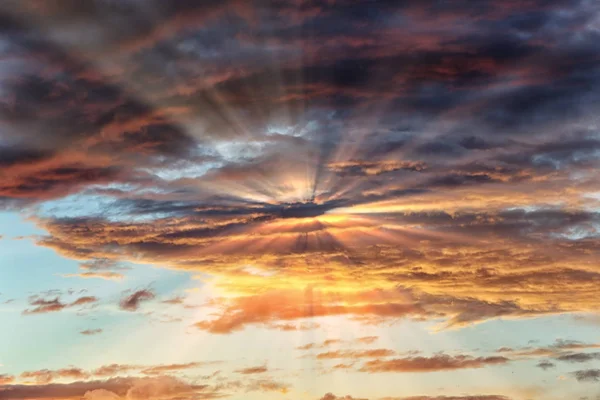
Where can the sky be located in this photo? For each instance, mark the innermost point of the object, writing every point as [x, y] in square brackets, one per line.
[299, 200]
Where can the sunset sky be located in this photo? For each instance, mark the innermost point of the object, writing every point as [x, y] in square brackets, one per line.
[299, 199]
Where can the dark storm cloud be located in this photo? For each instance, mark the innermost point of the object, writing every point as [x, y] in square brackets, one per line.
[422, 81]
[67, 125]
[116, 23]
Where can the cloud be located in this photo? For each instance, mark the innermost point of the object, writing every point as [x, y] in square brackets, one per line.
[100, 394]
[44, 306]
[47, 376]
[475, 397]
[578, 357]
[169, 368]
[253, 370]
[440, 362]
[49, 305]
[343, 366]
[101, 268]
[91, 332]
[6, 379]
[114, 369]
[560, 350]
[174, 300]
[84, 300]
[75, 389]
[435, 161]
[482, 293]
[286, 305]
[440, 172]
[545, 365]
[374, 168]
[367, 339]
[237, 312]
[160, 387]
[326, 343]
[111, 370]
[133, 301]
[587, 375]
[331, 396]
[267, 385]
[107, 275]
[356, 354]
[286, 327]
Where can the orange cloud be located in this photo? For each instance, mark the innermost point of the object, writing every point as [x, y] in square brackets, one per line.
[252, 370]
[440, 362]
[107, 275]
[331, 396]
[164, 369]
[356, 354]
[114, 369]
[47, 376]
[287, 305]
[6, 379]
[367, 339]
[267, 385]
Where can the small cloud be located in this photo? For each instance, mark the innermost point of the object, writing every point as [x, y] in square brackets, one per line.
[267, 385]
[44, 305]
[367, 339]
[133, 301]
[587, 375]
[578, 357]
[331, 396]
[106, 275]
[174, 300]
[165, 369]
[91, 332]
[438, 362]
[114, 369]
[326, 343]
[545, 365]
[252, 370]
[84, 300]
[373, 353]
